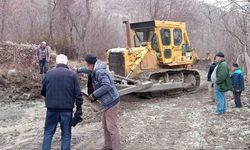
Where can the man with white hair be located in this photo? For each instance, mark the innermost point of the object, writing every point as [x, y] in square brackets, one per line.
[61, 89]
[42, 56]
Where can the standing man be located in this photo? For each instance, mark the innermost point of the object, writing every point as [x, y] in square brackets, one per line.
[42, 55]
[237, 83]
[211, 84]
[105, 92]
[222, 83]
[61, 90]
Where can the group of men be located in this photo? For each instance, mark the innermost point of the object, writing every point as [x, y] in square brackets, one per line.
[61, 89]
[221, 81]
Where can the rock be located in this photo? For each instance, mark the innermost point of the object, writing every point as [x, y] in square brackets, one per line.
[3, 82]
[12, 73]
[26, 96]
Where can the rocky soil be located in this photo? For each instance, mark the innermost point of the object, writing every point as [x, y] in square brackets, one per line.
[184, 122]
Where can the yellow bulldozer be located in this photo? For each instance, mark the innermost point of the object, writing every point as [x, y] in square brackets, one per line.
[158, 59]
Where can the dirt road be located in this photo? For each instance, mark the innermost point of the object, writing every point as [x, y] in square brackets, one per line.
[183, 122]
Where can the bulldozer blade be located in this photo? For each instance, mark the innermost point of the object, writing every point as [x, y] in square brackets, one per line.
[165, 87]
[135, 88]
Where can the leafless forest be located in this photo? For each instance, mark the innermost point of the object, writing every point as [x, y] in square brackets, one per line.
[75, 27]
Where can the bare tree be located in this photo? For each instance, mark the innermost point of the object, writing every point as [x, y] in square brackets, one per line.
[82, 32]
[51, 10]
[3, 18]
[81, 26]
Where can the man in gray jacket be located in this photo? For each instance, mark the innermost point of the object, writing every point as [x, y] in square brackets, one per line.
[42, 56]
[105, 92]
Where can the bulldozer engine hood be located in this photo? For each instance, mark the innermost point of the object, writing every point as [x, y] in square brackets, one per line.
[116, 50]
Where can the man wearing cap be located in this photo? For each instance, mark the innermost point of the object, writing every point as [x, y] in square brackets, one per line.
[61, 89]
[42, 56]
[222, 82]
[103, 89]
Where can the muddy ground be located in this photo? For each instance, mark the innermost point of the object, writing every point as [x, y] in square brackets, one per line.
[186, 121]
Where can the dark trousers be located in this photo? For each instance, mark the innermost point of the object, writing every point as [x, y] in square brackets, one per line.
[43, 64]
[52, 118]
[237, 99]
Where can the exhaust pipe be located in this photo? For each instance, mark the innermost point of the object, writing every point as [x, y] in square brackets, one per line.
[129, 44]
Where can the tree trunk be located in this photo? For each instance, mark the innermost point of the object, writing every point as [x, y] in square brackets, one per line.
[83, 34]
[247, 64]
[3, 19]
[51, 18]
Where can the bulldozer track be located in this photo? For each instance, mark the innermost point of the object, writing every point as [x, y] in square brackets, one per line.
[174, 75]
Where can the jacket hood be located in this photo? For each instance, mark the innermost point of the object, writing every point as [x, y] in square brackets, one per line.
[99, 65]
[238, 71]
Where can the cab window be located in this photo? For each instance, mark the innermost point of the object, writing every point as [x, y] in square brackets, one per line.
[165, 36]
[142, 36]
[138, 38]
[177, 37]
[154, 43]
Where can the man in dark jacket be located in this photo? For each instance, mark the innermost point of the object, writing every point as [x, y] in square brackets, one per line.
[237, 83]
[42, 56]
[106, 93]
[211, 84]
[222, 84]
[61, 90]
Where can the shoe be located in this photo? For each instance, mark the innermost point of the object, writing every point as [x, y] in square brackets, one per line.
[104, 148]
[212, 102]
[237, 110]
[219, 113]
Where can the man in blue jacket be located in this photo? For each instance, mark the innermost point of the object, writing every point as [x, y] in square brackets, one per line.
[61, 90]
[105, 92]
[237, 83]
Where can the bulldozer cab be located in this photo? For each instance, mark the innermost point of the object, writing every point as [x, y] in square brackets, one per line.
[168, 39]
